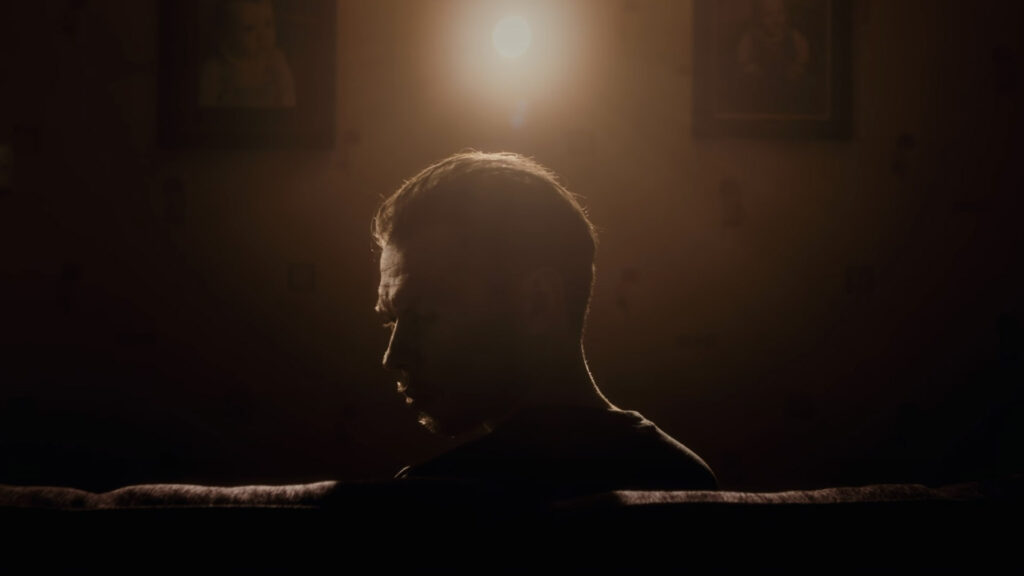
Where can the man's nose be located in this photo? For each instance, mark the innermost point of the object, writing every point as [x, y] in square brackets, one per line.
[396, 357]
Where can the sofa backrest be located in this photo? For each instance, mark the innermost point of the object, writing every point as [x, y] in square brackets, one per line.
[384, 527]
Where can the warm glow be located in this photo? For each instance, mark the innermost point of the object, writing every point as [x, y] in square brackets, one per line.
[511, 64]
[512, 36]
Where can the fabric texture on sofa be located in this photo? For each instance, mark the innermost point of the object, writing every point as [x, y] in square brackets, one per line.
[388, 527]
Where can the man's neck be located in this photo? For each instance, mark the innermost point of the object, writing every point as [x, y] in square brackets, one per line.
[559, 385]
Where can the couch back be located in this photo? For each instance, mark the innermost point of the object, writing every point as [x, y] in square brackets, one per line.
[457, 528]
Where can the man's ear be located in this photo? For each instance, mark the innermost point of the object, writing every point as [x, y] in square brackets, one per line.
[542, 305]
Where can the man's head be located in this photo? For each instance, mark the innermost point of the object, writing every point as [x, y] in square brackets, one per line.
[486, 271]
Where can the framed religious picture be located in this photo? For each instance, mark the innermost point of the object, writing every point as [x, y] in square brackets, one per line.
[247, 73]
[772, 68]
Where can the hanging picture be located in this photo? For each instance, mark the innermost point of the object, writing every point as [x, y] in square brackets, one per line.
[772, 68]
[247, 73]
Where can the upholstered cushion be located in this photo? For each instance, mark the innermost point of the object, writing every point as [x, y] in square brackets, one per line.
[1002, 489]
[327, 493]
[426, 528]
[164, 495]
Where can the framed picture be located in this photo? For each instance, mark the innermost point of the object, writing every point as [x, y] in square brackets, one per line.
[247, 73]
[771, 68]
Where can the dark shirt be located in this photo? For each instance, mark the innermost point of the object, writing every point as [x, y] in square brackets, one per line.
[572, 451]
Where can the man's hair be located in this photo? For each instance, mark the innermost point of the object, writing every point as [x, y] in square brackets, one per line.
[507, 211]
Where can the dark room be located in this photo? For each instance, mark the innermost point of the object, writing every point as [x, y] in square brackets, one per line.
[794, 295]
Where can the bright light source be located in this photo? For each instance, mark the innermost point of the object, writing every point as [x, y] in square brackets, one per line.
[512, 36]
[514, 65]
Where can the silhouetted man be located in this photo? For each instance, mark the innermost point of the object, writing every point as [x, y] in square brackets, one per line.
[486, 272]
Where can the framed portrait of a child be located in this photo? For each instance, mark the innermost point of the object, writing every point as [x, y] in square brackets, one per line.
[772, 68]
[247, 73]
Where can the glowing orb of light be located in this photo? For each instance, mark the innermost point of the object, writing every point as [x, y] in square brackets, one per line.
[512, 36]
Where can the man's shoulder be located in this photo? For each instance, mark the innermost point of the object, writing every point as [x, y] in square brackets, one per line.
[602, 449]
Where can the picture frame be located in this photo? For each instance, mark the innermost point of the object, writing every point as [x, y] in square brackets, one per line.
[247, 74]
[772, 69]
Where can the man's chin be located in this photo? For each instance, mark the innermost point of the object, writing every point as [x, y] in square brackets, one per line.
[448, 427]
[430, 423]
[424, 414]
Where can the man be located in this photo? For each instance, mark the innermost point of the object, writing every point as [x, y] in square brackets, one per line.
[486, 271]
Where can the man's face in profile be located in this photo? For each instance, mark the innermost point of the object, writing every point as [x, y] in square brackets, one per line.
[454, 339]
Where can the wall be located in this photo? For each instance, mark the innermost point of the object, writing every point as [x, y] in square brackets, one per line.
[800, 313]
